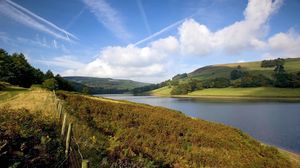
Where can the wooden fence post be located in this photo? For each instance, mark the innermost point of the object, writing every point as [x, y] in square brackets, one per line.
[63, 125]
[85, 163]
[60, 112]
[68, 140]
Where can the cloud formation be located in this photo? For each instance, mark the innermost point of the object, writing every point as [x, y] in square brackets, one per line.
[197, 39]
[194, 39]
[284, 45]
[28, 18]
[108, 16]
[130, 61]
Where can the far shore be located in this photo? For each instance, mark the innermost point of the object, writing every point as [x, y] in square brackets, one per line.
[297, 99]
[259, 93]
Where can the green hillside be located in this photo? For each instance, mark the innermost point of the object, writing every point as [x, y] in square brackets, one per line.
[279, 78]
[291, 65]
[104, 85]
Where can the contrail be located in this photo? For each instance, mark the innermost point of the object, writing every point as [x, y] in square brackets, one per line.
[159, 32]
[41, 19]
[145, 19]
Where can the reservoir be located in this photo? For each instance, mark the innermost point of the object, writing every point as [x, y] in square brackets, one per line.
[272, 122]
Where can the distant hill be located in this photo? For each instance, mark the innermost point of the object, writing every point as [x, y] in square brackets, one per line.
[223, 70]
[236, 75]
[103, 85]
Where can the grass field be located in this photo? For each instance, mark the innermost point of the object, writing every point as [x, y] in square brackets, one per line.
[258, 92]
[164, 91]
[10, 91]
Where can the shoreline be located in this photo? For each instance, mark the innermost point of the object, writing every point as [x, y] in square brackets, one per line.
[235, 98]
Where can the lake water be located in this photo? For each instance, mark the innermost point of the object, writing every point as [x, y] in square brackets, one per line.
[274, 123]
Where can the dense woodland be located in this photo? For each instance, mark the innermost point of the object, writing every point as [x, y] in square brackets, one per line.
[16, 70]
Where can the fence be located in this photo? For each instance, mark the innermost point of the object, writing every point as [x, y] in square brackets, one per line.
[73, 155]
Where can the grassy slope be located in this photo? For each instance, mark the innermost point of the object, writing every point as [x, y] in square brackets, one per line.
[223, 70]
[28, 127]
[164, 91]
[147, 136]
[106, 83]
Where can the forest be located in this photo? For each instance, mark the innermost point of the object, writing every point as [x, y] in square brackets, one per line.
[15, 69]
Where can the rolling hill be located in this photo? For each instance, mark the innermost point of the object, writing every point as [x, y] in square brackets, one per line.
[223, 70]
[103, 85]
[212, 72]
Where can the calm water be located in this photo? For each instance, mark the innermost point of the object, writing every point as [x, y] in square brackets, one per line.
[275, 123]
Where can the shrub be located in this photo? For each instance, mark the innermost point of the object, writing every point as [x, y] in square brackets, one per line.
[50, 84]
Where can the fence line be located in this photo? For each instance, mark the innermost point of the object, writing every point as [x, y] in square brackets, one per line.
[73, 155]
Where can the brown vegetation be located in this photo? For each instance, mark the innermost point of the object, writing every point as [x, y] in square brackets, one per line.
[139, 135]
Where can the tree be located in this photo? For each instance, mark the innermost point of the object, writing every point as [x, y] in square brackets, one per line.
[249, 80]
[181, 89]
[180, 76]
[50, 84]
[63, 84]
[49, 75]
[86, 90]
[38, 76]
[279, 68]
[221, 83]
[236, 73]
[272, 63]
[22, 71]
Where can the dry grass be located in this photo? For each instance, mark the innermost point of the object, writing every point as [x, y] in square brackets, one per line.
[36, 99]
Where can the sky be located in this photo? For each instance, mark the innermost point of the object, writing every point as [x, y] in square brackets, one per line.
[147, 40]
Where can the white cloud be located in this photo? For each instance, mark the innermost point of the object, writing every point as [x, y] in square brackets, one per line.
[285, 44]
[197, 39]
[108, 16]
[130, 61]
[28, 18]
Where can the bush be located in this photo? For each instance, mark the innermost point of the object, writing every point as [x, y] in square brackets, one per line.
[236, 73]
[221, 83]
[50, 84]
[255, 81]
[181, 89]
[272, 63]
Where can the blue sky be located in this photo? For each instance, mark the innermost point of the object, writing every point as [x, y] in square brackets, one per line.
[147, 40]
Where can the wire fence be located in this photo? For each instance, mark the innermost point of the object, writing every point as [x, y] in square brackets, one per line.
[73, 154]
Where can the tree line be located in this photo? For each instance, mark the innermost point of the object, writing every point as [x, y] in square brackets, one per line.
[15, 69]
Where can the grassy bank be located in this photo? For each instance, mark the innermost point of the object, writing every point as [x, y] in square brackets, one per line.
[140, 135]
[254, 93]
